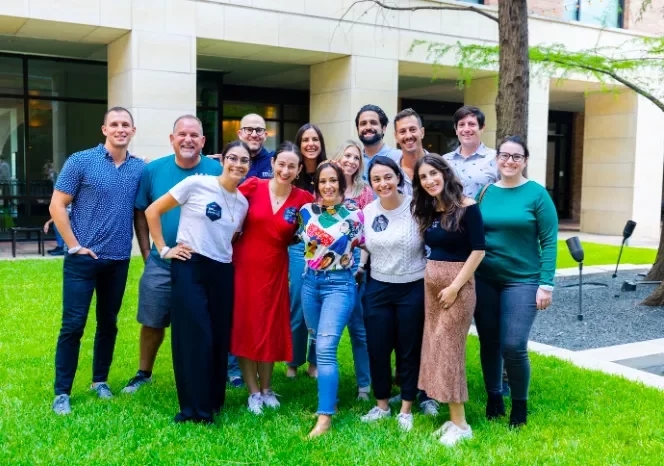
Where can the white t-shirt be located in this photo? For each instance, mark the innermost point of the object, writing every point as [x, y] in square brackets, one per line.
[394, 242]
[205, 216]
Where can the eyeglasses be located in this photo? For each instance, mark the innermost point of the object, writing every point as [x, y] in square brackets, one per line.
[248, 130]
[505, 156]
[241, 160]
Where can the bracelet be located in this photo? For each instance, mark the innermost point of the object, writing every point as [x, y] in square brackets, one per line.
[74, 250]
[164, 251]
[546, 287]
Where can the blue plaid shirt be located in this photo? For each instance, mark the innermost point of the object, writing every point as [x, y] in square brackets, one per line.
[475, 171]
[102, 211]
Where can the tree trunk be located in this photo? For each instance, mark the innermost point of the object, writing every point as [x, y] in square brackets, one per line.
[514, 74]
[656, 273]
[656, 298]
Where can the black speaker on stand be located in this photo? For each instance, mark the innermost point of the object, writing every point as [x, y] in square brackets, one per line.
[576, 250]
[627, 232]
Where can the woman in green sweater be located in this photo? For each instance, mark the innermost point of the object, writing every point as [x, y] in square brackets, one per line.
[515, 279]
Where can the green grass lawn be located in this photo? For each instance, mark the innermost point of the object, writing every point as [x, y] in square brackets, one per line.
[603, 254]
[577, 417]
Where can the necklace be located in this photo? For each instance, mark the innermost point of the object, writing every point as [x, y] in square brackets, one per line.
[279, 199]
[232, 211]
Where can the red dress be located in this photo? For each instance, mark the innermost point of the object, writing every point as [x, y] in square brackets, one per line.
[261, 311]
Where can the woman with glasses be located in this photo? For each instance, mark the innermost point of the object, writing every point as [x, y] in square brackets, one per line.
[212, 211]
[515, 279]
[309, 139]
[451, 226]
[349, 158]
[330, 229]
[261, 318]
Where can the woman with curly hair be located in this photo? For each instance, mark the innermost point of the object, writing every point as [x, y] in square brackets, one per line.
[453, 232]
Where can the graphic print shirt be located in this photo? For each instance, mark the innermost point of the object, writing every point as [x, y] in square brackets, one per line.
[330, 233]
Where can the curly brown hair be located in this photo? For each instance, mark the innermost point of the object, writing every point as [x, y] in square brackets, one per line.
[424, 207]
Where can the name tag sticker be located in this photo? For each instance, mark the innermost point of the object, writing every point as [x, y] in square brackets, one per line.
[213, 211]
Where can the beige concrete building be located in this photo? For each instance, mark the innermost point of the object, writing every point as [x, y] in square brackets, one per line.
[63, 62]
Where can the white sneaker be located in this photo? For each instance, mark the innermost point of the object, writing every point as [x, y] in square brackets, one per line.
[454, 434]
[255, 403]
[375, 414]
[270, 399]
[429, 407]
[440, 431]
[405, 421]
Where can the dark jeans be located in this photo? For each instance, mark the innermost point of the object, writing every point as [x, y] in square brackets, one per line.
[83, 275]
[201, 320]
[394, 320]
[504, 315]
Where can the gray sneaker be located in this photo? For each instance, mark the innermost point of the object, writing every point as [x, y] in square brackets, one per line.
[136, 382]
[395, 399]
[102, 389]
[429, 407]
[61, 405]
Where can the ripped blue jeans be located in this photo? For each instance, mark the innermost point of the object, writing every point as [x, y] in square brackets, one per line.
[328, 299]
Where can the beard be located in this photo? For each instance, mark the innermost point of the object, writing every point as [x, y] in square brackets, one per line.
[372, 139]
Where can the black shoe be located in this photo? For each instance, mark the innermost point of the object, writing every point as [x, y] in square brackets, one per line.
[495, 406]
[519, 413]
[56, 252]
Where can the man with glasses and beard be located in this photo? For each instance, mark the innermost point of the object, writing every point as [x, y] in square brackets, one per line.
[252, 131]
[371, 123]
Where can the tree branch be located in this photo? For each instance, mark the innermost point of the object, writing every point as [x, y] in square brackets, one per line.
[636, 88]
[385, 6]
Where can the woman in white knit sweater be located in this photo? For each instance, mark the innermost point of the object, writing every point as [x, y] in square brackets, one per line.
[394, 296]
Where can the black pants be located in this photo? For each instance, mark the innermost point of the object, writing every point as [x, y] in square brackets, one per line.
[202, 294]
[82, 276]
[394, 320]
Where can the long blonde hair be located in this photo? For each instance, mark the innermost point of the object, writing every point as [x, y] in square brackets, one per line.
[358, 181]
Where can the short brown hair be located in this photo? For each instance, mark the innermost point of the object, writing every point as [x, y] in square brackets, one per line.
[119, 110]
[467, 110]
[406, 112]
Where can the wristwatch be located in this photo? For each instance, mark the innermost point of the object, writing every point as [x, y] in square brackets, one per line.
[164, 251]
[74, 250]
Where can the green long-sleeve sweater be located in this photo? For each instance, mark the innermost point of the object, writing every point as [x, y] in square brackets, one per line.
[521, 232]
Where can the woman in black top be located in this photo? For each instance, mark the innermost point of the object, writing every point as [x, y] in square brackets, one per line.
[451, 225]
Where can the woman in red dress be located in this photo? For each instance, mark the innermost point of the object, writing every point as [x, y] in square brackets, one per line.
[261, 333]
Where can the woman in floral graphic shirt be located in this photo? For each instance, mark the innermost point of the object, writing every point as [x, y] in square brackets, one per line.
[330, 230]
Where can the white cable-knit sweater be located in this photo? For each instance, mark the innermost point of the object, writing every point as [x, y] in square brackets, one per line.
[397, 252]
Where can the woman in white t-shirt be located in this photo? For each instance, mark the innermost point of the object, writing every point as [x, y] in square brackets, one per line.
[211, 215]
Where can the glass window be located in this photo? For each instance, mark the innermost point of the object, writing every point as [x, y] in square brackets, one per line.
[207, 94]
[296, 112]
[67, 79]
[11, 75]
[290, 130]
[57, 130]
[210, 125]
[604, 13]
[12, 162]
[240, 109]
[571, 10]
